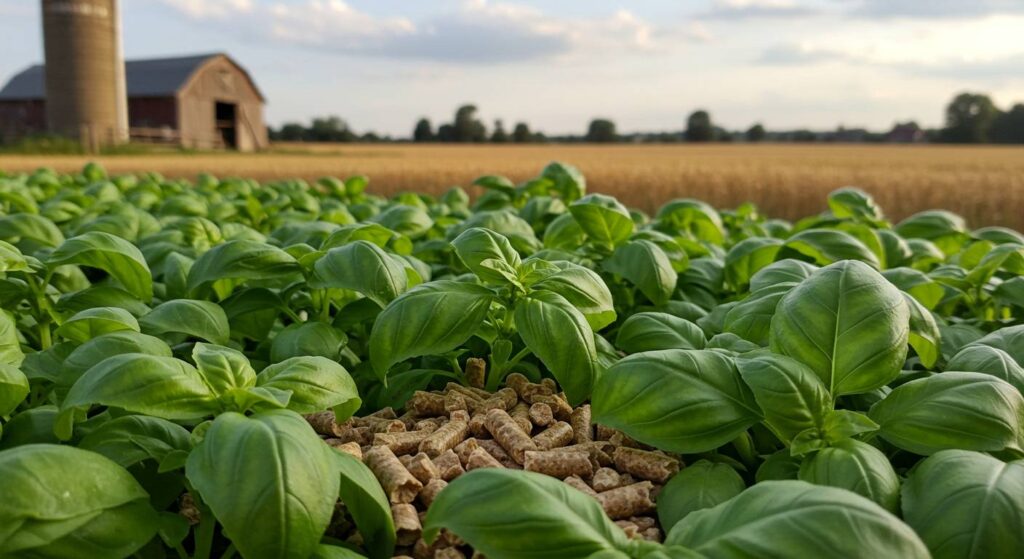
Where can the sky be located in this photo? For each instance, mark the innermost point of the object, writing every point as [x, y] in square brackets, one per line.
[645, 64]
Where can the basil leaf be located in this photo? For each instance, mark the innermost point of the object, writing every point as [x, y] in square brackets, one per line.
[650, 331]
[316, 384]
[362, 267]
[199, 319]
[700, 485]
[114, 255]
[848, 324]
[855, 466]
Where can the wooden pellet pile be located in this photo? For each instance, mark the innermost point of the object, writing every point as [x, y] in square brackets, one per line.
[524, 426]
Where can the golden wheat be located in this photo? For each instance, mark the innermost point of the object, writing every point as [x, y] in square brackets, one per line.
[984, 184]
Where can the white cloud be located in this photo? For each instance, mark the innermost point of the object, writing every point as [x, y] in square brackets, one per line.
[757, 9]
[937, 9]
[473, 32]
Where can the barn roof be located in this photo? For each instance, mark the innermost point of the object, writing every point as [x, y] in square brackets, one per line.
[151, 77]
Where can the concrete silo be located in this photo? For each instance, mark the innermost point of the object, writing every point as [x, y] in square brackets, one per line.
[85, 88]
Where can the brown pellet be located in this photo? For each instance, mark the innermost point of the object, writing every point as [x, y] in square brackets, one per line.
[621, 439]
[560, 407]
[459, 415]
[350, 447]
[386, 426]
[449, 553]
[631, 530]
[517, 382]
[431, 424]
[399, 485]
[643, 522]
[559, 464]
[430, 491]
[578, 483]
[449, 466]
[521, 415]
[454, 401]
[465, 448]
[598, 451]
[627, 501]
[481, 459]
[478, 426]
[476, 372]
[644, 464]
[405, 442]
[559, 434]
[423, 468]
[407, 524]
[470, 393]
[494, 449]
[652, 534]
[449, 435]
[509, 435]
[583, 431]
[540, 415]
[323, 423]
[605, 479]
[426, 404]
[384, 413]
[603, 433]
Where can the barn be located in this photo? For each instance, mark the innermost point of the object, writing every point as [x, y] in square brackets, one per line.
[206, 101]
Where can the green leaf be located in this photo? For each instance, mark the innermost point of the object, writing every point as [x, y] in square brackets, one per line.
[308, 338]
[792, 398]
[694, 218]
[855, 466]
[850, 202]
[223, 368]
[13, 388]
[362, 267]
[681, 401]
[561, 338]
[159, 386]
[585, 290]
[406, 220]
[487, 254]
[316, 384]
[970, 411]
[646, 266]
[234, 262]
[429, 319]
[11, 259]
[489, 508]
[95, 322]
[966, 505]
[783, 271]
[131, 439]
[270, 481]
[1009, 339]
[797, 519]
[114, 255]
[199, 319]
[848, 324]
[10, 346]
[924, 334]
[602, 218]
[698, 486]
[827, 246]
[366, 501]
[567, 180]
[650, 331]
[747, 257]
[95, 350]
[988, 360]
[61, 501]
[751, 318]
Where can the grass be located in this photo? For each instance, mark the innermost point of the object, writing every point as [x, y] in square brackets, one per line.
[985, 184]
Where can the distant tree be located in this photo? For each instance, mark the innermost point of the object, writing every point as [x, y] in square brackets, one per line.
[499, 136]
[370, 137]
[292, 132]
[601, 130]
[755, 133]
[1008, 127]
[467, 127]
[423, 132]
[538, 138]
[521, 133]
[969, 118]
[330, 129]
[803, 136]
[446, 133]
[699, 127]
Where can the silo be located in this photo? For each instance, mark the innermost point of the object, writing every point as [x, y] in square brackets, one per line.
[85, 95]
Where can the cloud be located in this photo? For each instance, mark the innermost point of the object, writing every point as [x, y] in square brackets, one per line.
[473, 32]
[757, 9]
[934, 9]
[800, 54]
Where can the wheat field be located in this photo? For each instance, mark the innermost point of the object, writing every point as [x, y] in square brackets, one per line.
[984, 184]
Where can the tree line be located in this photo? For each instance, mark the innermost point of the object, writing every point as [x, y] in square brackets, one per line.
[970, 118]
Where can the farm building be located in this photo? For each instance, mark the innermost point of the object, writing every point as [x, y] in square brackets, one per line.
[204, 102]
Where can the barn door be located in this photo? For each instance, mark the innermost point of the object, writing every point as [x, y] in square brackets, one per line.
[226, 123]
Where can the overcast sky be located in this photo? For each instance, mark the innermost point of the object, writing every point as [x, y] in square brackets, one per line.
[382, 64]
